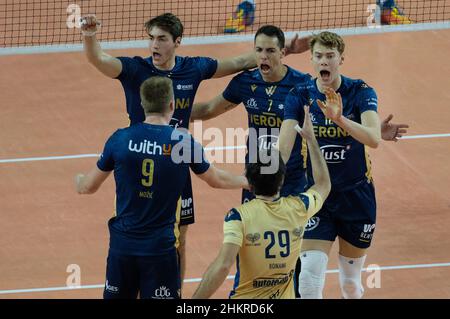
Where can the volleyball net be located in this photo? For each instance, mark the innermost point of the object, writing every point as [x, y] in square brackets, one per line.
[48, 24]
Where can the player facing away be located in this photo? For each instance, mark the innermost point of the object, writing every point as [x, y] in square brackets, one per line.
[345, 119]
[165, 33]
[263, 236]
[151, 162]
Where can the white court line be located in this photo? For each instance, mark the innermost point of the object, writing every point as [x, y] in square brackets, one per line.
[207, 149]
[49, 158]
[411, 137]
[64, 157]
[192, 280]
[225, 148]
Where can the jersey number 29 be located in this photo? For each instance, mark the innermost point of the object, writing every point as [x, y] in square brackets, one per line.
[283, 243]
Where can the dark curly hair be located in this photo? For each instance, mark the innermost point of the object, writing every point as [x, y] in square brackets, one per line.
[168, 22]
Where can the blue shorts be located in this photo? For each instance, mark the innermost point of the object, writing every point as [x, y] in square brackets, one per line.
[349, 214]
[152, 277]
[187, 204]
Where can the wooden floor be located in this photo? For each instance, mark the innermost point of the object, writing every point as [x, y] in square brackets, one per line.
[57, 104]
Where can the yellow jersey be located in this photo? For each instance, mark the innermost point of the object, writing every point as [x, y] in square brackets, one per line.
[269, 234]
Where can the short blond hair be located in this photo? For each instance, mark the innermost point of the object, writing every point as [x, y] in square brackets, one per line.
[328, 39]
[156, 94]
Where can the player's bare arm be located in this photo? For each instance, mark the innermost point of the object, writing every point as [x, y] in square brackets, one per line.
[91, 182]
[105, 63]
[218, 178]
[286, 138]
[211, 109]
[367, 133]
[217, 272]
[182, 252]
[297, 45]
[322, 183]
[246, 61]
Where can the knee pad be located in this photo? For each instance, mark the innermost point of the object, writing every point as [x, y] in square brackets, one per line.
[350, 277]
[312, 275]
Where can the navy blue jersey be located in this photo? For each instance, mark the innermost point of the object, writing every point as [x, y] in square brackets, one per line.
[186, 76]
[151, 164]
[347, 159]
[264, 103]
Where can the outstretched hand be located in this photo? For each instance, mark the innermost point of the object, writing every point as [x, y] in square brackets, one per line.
[332, 107]
[297, 45]
[391, 131]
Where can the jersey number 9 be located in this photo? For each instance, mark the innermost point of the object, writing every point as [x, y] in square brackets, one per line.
[148, 167]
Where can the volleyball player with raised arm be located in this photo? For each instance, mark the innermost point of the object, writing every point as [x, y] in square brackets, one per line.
[346, 122]
[165, 33]
[151, 162]
[263, 236]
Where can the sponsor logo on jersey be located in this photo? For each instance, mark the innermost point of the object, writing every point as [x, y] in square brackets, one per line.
[275, 280]
[312, 223]
[253, 238]
[334, 154]
[266, 142]
[181, 104]
[167, 149]
[271, 90]
[185, 87]
[253, 87]
[251, 104]
[329, 131]
[297, 233]
[149, 147]
[265, 120]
